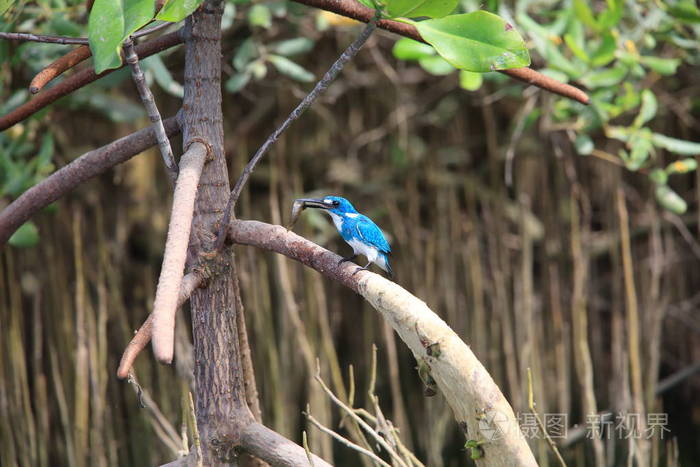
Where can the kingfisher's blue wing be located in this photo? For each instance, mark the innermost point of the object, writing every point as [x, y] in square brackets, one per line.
[371, 234]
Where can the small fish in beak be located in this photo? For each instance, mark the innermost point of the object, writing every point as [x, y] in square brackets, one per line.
[301, 204]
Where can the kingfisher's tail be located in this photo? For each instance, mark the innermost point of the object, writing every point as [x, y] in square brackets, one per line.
[383, 262]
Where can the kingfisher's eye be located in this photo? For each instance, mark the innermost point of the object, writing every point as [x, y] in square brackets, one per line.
[336, 203]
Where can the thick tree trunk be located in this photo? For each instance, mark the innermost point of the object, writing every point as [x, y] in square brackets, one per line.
[219, 380]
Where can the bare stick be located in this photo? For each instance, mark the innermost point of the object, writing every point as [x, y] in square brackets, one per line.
[83, 168]
[462, 379]
[143, 336]
[531, 405]
[358, 419]
[29, 37]
[195, 431]
[151, 108]
[165, 305]
[356, 10]
[59, 66]
[275, 449]
[345, 441]
[82, 78]
[320, 87]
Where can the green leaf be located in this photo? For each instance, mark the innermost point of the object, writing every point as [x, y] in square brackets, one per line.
[583, 144]
[576, 47]
[607, 77]
[611, 16]
[259, 15]
[408, 49]
[162, 75]
[26, 236]
[477, 41]
[237, 82]
[296, 46]
[670, 199]
[619, 132]
[648, 109]
[245, 54]
[419, 8]
[639, 153]
[663, 66]
[436, 65]
[682, 166]
[291, 69]
[110, 24]
[584, 14]
[605, 53]
[105, 28]
[685, 10]
[658, 176]
[177, 10]
[678, 146]
[469, 80]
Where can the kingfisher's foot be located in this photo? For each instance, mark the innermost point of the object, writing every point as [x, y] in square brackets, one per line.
[365, 268]
[345, 260]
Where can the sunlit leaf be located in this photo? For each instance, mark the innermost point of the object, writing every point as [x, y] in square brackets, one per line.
[177, 10]
[605, 53]
[419, 8]
[436, 65]
[682, 166]
[237, 82]
[477, 41]
[409, 49]
[260, 15]
[603, 78]
[663, 66]
[583, 144]
[670, 199]
[469, 80]
[291, 69]
[245, 53]
[678, 146]
[686, 10]
[26, 236]
[296, 46]
[648, 109]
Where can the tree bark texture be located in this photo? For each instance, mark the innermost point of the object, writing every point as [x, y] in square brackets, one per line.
[219, 386]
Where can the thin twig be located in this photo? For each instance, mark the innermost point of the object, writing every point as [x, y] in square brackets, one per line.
[381, 441]
[82, 78]
[195, 431]
[151, 108]
[531, 405]
[320, 87]
[305, 443]
[345, 441]
[29, 37]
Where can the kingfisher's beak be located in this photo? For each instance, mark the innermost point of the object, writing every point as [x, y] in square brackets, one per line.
[312, 203]
[303, 203]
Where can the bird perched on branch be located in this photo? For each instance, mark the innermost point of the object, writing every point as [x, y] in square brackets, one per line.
[357, 230]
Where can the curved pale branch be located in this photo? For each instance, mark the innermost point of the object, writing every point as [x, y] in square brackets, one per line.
[478, 404]
[165, 305]
[142, 337]
[356, 10]
[81, 79]
[69, 177]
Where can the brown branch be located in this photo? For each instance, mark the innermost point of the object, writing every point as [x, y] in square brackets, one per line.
[69, 177]
[81, 79]
[275, 449]
[59, 66]
[142, 337]
[356, 10]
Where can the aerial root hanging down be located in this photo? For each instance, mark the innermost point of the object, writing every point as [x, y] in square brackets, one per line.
[175, 255]
[462, 379]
